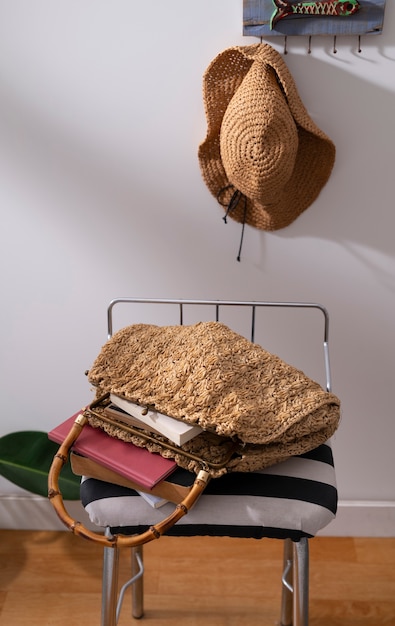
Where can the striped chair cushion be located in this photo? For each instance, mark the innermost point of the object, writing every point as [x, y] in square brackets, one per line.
[292, 499]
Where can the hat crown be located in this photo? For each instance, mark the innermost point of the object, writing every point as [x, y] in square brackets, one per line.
[259, 137]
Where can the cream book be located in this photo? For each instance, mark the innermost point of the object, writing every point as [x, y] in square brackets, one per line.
[177, 431]
[114, 411]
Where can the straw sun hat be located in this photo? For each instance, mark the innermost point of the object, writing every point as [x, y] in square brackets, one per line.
[263, 158]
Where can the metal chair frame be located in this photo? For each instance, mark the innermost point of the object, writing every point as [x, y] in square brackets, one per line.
[295, 577]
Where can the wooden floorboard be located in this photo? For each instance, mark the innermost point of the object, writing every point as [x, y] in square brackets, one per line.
[54, 579]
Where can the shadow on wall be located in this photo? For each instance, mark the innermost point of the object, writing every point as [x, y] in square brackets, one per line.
[355, 209]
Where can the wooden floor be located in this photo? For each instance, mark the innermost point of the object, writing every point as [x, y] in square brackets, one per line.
[54, 578]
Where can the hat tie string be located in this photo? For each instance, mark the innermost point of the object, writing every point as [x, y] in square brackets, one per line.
[236, 197]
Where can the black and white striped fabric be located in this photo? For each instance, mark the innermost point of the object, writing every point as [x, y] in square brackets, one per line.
[293, 499]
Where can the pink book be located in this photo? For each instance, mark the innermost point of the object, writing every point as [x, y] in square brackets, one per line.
[136, 464]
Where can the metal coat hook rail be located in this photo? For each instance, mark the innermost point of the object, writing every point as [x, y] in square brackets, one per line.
[309, 47]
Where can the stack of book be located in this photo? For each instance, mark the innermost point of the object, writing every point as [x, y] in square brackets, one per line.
[97, 455]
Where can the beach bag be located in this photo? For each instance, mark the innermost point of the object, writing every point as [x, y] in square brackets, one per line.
[254, 410]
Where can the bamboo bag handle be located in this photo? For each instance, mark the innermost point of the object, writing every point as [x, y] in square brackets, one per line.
[154, 532]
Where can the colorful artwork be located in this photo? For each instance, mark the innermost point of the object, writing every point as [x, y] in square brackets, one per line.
[326, 17]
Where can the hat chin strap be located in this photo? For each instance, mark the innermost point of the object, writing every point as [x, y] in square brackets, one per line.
[236, 197]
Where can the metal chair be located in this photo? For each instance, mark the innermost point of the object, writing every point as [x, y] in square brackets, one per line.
[290, 501]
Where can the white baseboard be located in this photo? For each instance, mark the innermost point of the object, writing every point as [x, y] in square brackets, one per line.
[29, 512]
[360, 518]
[354, 518]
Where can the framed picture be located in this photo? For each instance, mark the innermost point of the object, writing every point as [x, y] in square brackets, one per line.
[262, 18]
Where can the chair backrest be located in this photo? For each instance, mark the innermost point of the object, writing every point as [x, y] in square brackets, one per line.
[245, 317]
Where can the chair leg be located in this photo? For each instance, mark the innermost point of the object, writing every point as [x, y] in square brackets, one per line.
[287, 582]
[295, 584]
[138, 585]
[110, 586]
[301, 583]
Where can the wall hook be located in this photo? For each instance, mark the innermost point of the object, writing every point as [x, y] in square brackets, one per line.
[309, 48]
[359, 44]
[334, 45]
[285, 45]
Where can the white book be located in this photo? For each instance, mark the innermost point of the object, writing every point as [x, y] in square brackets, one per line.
[177, 431]
[155, 501]
[121, 416]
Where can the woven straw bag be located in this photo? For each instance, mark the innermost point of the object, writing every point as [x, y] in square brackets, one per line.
[255, 410]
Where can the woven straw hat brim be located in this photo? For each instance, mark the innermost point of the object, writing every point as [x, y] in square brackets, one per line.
[315, 154]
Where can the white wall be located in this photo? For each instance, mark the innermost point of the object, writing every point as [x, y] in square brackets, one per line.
[101, 115]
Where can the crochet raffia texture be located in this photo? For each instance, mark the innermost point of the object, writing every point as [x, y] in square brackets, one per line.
[260, 138]
[209, 375]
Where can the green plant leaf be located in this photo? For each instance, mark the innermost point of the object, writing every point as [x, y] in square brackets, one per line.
[25, 459]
